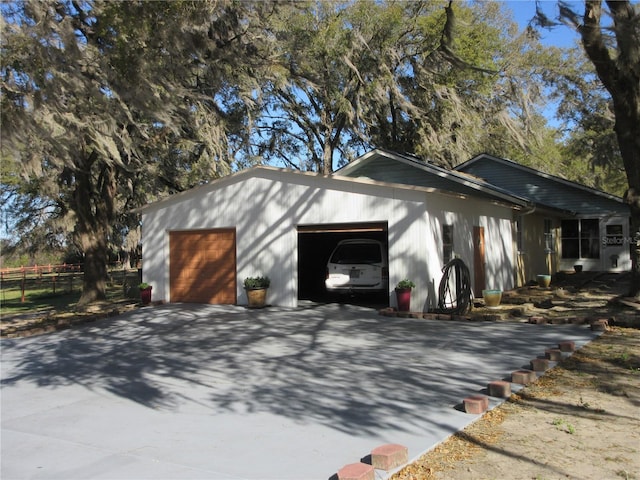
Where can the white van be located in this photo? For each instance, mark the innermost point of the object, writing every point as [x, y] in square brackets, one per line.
[358, 265]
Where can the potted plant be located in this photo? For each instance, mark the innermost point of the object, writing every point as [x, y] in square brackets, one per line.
[256, 288]
[403, 294]
[145, 293]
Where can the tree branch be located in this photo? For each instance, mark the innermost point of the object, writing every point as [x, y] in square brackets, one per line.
[446, 44]
[594, 44]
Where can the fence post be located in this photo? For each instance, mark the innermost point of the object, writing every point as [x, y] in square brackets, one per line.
[22, 284]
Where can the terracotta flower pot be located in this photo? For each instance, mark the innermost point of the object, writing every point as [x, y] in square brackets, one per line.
[257, 297]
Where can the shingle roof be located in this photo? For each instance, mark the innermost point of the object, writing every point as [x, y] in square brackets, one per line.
[543, 189]
[387, 166]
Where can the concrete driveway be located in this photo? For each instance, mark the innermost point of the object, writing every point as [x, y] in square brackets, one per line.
[222, 392]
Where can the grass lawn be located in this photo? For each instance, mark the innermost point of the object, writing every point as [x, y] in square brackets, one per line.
[36, 300]
[40, 296]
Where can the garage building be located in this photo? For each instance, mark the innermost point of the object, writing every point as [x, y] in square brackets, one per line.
[199, 245]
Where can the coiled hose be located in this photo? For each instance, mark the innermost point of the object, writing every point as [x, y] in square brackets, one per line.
[455, 274]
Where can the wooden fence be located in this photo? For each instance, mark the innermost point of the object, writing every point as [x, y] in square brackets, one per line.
[56, 278]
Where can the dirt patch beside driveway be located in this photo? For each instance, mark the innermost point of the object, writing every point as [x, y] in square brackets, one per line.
[579, 421]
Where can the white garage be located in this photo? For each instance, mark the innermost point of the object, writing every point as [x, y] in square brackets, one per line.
[199, 245]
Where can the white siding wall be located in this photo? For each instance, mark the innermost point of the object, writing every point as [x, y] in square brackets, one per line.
[266, 207]
[464, 214]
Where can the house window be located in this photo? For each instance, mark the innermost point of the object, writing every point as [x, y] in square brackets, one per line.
[447, 243]
[614, 236]
[548, 236]
[580, 238]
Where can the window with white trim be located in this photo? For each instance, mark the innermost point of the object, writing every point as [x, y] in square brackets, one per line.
[447, 243]
[614, 236]
[580, 238]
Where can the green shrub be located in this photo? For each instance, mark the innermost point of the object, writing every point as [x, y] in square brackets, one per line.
[257, 282]
[404, 284]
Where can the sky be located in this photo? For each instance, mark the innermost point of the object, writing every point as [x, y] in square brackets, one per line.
[524, 11]
[560, 36]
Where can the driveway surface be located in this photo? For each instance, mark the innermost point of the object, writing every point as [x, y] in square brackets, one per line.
[223, 392]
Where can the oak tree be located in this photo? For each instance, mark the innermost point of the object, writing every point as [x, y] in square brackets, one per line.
[614, 49]
[108, 104]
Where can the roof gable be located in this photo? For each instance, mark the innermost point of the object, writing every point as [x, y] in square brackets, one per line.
[543, 189]
[303, 178]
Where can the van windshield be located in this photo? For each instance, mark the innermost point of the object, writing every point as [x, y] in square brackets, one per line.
[357, 253]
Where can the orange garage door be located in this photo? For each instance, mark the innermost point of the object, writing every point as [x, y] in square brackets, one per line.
[202, 266]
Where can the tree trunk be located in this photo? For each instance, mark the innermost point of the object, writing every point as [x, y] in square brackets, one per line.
[94, 287]
[94, 205]
[620, 75]
[632, 197]
[626, 106]
[327, 155]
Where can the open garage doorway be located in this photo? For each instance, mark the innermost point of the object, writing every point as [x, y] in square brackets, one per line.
[315, 244]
